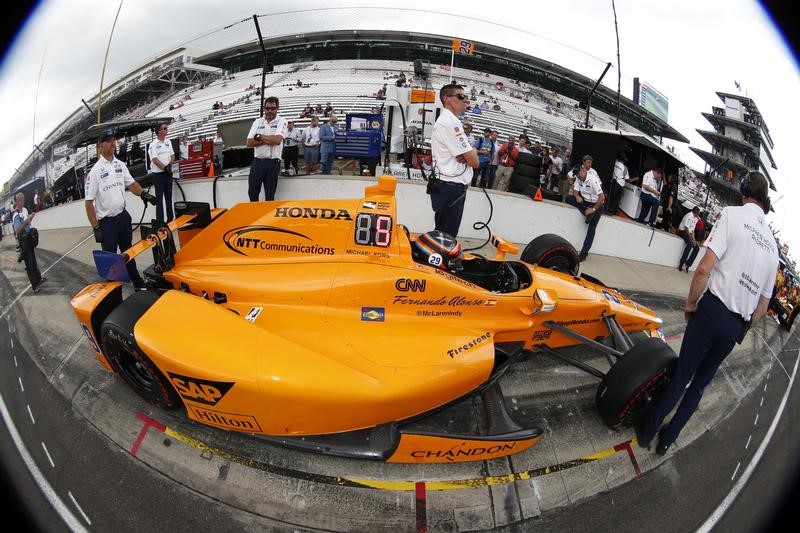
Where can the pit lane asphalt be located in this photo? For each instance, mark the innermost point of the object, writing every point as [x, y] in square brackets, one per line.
[115, 462]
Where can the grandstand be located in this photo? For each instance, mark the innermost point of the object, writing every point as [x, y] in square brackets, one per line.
[512, 92]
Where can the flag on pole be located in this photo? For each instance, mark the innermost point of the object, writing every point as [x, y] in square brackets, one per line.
[460, 46]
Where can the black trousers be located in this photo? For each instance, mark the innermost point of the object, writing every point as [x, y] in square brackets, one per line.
[31, 266]
[447, 200]
[163, 184]
[290, 155]
[263, 173]
[117, 233]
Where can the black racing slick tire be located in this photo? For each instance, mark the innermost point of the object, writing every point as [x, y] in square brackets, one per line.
[128, 360]
[553, 252]
[634, 382]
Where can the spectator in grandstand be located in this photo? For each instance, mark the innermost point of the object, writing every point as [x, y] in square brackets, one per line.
[327, 137]
[556, 164]
[453, 161]
[537, 148]
[183, 147]
[545, 168]
[219, 148]
[650, 196]
[328, 110]
[669, 195]
[105, 205]
[524, 144]
[507, 158]
[401, 80]
[587, 196]
[162, 156]
[266, 138]
[565, 180]
[311, 146]
[21, 221]
[291, 148]
[485, 147]
[318, 110]
[37, 200]
[686, 232]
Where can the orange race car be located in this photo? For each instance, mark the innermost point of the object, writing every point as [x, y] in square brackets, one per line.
[323, 325]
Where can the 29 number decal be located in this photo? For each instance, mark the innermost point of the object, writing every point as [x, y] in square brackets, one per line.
[373, 229]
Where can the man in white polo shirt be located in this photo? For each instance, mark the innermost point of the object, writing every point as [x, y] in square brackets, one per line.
[266, 137]
[587, 196]
[106, 184]
[735, 279]
[651, 195]
[454, 159]
[162, 155]
[686, 232]
[311, 146]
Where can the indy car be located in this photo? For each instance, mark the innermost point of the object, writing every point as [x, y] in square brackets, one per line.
[324, 325]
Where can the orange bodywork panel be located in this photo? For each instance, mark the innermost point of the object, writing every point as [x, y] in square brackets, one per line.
[88, 305]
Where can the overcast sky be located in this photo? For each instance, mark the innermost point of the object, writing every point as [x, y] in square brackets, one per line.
[686, 49]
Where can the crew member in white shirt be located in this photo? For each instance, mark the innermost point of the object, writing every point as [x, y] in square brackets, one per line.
[652, 181]
[162, 155]
[291, 148]
[730, 290]
[266, 138]
[311, 146]
[587, 196]
[454, 159]
[686, 232]
[620, 178]
[106, 184]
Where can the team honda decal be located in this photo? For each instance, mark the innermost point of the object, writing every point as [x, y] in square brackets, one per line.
[200, 390]
[256, 241]
[471, 344]
[324, 213]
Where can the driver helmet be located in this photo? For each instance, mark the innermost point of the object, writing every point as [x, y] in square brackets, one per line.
[438, 249]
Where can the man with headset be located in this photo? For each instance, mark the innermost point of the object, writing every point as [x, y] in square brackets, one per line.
[730, 290]
[453, 161]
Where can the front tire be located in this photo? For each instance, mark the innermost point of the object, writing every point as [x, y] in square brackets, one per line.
[553, 252]
[128, 360]
[634, 382]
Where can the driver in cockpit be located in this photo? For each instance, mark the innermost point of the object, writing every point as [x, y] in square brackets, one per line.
[438, 249]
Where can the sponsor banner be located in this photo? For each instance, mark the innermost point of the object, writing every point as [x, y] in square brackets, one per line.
[469, 345]
[399, 171]
[62, 150]
[200, 390]
[260, 241]
[419, 96]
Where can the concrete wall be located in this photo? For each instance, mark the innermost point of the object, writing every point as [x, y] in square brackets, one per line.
[514, 217]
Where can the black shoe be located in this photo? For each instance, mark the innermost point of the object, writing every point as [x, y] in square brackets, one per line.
[662, 448]
[680, 267]
[582, 258]
[642, 443]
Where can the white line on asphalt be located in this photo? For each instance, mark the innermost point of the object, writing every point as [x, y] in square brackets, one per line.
[774, 356]
[31, 413]
[45, 271]
[762, 403]
[737, 469]
[748, 442]
[12, 343]
[15, 362]
[75, 502]
[47, 453]
[756, 420]
[20, 384]
[722, 508]
[49, 493]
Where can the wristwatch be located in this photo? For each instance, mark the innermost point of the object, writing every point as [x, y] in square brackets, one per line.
[257, 137]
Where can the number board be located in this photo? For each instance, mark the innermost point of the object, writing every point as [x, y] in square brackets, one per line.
[373, 229]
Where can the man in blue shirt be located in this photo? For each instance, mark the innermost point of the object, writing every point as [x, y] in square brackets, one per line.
[21, 220]
[327, 137]
[486, 148]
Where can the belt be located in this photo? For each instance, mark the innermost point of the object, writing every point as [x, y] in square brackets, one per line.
[735, 315]
[268, 158]
[453, 184]
[311, 145]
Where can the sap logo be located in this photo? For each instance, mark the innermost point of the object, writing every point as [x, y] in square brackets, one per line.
[312, 212]
[200, 390]
[413, 285]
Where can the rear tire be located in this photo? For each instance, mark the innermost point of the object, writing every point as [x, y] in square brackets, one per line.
[553, 252]
[634, 382]
[128, 360]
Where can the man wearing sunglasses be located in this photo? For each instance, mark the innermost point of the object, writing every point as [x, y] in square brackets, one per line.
[266, 138]
[454, 159]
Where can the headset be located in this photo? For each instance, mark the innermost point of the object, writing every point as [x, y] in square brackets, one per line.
[751, 188]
